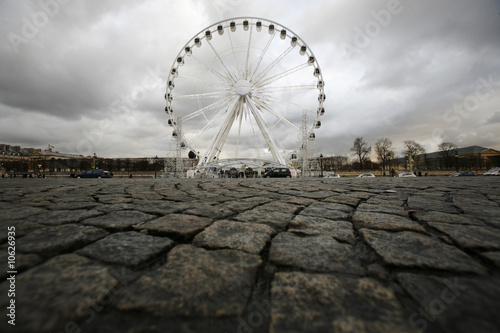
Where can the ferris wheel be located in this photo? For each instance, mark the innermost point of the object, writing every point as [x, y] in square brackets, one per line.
[244, 89]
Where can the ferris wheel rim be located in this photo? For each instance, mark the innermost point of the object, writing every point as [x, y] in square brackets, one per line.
[213, 28]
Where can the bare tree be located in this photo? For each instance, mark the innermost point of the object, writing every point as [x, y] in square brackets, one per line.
[413, 150]
[447, 146]
[362, 150]
[447, 150]
[383, 148]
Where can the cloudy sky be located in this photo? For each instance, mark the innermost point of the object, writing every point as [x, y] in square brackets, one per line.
[427, 71]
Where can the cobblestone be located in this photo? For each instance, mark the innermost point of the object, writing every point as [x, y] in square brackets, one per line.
[253, 255]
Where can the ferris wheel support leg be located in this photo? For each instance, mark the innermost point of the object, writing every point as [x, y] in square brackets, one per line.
[219, 139]
[266, 134]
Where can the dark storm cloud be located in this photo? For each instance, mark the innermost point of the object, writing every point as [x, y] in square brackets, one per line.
[399, 69]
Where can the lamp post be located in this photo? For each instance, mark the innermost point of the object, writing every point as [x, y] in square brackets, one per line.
[156, 164]
[321, 164]
[456, 159]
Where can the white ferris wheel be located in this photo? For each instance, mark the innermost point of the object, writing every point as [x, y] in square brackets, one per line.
[244, 90]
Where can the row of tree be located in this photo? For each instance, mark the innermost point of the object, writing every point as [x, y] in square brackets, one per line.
[385, 151]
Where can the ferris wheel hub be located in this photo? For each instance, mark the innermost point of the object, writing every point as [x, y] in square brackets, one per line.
[242, 87]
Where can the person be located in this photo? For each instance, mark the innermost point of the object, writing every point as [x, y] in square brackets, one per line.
[419, 173]
[393, 173]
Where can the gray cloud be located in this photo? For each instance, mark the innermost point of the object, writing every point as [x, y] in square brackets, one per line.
[88, 76]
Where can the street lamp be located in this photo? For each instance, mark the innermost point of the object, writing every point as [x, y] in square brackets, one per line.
[156, 164]
[321, 164]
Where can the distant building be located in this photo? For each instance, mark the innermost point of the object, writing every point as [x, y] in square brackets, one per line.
[43, 161]
[466, 158]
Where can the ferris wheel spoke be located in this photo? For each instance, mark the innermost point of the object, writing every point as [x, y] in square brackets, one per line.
[265, 106]
[229, 73]
[274, 63]
[222, 77]
[286, 88]
[247, 70]
[282, 75]
[215, 94]
[206, 108]
[203, 82]
[288, 104]
[262, 56]
[232, 48]
[211, 122]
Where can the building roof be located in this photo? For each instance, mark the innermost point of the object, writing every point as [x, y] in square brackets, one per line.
[464, 151]
[56, 155]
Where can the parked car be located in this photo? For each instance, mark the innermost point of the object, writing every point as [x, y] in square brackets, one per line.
[363, 175]
[493, 172]
[464, 173]
[406, 174]
[249, 173]
[233, 173]
[332, 175]
[94, 173]
[277, 172]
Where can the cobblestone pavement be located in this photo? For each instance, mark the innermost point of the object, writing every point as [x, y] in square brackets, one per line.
[252, 255]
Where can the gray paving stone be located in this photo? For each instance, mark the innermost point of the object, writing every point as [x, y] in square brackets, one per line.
[22, 261]
[163, 207]
[313, 253]
[303, 302]
[411, 249]
[216, 212]
[239, 206]
[382, 221]
[493, 256]
[365, 207]
[73, 287]
[448, 218]
[11, 213]
[471, 236]
[109, 208]
[360, 194]
[316, 226]
[328, 210]
[273, 218]
[475, 205]
[245, 236]
[178, 226]
[453, 304]
[72, 205]
[493, 221]
[341, 199]
[119, 220]
[56, 240]
[300, 201]
[194, 283]
[127, 248]
[114, 199]
[58, 217]
[316, 194]
[21, 228]
[278, 206]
